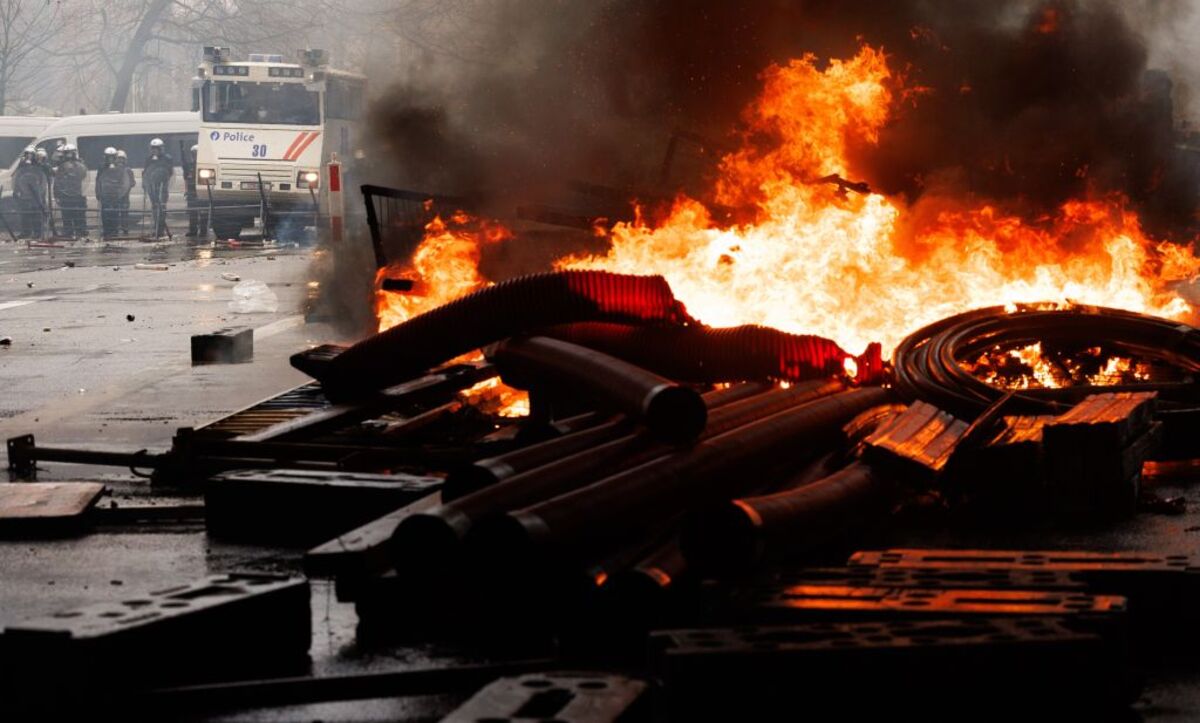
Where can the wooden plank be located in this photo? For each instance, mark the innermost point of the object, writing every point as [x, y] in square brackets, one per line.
[1111, 419]
[46, 507]
[1005, 475]
[917, 444]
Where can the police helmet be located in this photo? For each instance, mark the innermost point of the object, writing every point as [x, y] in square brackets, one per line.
[41, 153]
[156, 143]
[121, 154]
[110, 151]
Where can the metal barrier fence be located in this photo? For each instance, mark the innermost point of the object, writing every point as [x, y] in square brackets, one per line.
[200, 221]
[397, 218]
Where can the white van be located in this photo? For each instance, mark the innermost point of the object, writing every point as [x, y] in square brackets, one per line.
[132, 133]
[17, 132]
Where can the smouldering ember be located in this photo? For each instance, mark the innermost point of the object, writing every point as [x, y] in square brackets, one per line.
[494, 396]
[854, 267]
[1032, 367]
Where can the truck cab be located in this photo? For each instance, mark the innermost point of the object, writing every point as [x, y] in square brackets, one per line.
[268, 129]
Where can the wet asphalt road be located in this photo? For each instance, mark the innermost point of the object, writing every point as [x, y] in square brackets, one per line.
[80, 372]
[21, 257]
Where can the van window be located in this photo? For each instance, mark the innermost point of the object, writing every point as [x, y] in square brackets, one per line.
[10, 148]
[136, 147]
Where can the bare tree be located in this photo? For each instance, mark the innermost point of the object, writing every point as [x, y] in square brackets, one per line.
[141, 54]
[122, 38]
[26, 29]
[150, 18]
[262, 25]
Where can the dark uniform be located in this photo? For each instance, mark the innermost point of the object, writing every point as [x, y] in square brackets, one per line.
[68, 192]
[156, 179]
[112, 185]
[42, 160]
[123, 203]
[29, 187]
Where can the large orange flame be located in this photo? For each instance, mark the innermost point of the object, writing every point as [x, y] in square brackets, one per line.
[444, 267]
[852, 266]
[819, 260]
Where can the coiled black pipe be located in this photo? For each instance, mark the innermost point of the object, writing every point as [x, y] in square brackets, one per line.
[486, 316]
[702, 354]
[929, 363]
[670, 411]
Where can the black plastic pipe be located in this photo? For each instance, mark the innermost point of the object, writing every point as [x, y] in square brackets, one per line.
[672, 412]
[483, 473]
[586, 521]
[433, 540]
[516, 306]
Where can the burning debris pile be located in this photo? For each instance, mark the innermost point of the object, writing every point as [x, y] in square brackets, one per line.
[680, 440]
[807, 256]
[722, 431]
[685, 462]
[674, 484]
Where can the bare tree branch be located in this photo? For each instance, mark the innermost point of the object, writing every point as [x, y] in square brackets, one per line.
[26, 27]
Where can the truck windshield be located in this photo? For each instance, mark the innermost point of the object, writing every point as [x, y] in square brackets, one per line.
[261, 103]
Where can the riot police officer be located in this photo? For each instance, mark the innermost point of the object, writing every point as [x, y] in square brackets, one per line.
[156, 179]
[42, 159]
[29, 187]
[111, 186]
[43, 162]
[68, 191]
[130, 184]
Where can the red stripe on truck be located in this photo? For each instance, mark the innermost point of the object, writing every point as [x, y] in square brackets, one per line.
[308, 142]
[287, 155]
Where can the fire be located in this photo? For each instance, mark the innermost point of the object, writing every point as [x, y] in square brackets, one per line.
[1044, 373]
[1032, 367]
[1047, 22]
[493, 395]
[819, 255]
[444, 267]
[860, 267]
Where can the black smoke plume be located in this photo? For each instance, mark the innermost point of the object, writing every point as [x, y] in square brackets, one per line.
[1026, 104]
